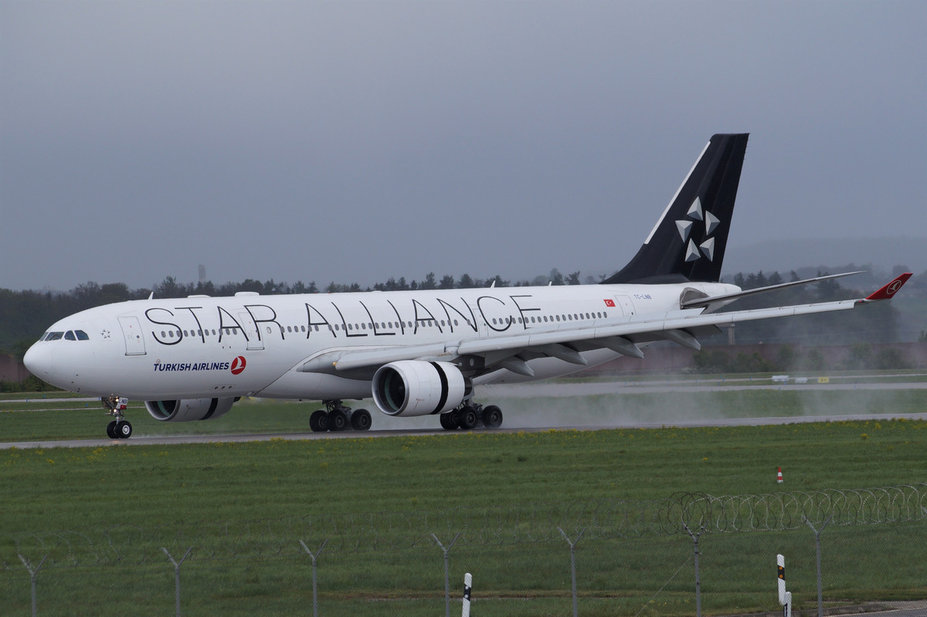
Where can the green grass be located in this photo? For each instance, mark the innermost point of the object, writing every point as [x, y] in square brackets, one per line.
[102, 515]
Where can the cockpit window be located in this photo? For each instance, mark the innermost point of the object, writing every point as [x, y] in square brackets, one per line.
[70, 335]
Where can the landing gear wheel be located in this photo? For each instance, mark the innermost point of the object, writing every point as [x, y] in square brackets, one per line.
[123, 429]
[338, 421]
[115, 406]
[467, 418]
[318, 421]
[492, 416]
[361, 420]
[449, 421]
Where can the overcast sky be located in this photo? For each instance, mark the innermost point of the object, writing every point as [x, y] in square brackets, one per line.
[354, 141]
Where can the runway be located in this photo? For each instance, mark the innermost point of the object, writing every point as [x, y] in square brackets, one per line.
[539, 422]
[253, 437]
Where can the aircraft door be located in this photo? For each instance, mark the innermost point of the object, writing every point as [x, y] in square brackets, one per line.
[255, 340]
[627, 307]
[132, 333]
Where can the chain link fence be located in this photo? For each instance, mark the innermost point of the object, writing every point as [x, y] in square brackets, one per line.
[639, 548]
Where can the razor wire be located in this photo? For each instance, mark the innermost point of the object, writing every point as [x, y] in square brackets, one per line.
[790, 510]
[515, 524]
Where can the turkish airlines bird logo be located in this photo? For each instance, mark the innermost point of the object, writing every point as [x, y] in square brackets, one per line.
[238, 365]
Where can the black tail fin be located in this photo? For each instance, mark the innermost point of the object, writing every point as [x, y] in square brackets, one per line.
[688, 242]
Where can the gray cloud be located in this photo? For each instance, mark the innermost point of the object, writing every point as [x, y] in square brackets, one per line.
[357, 141]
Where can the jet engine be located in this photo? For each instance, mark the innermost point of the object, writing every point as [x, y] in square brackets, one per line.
[418, 388]
[188, 410]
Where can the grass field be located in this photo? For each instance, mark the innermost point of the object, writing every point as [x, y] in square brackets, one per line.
[102, 514]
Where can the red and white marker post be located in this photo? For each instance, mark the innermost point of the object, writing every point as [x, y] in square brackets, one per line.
[785, 597]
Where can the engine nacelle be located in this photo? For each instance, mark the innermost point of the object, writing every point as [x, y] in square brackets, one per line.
[188, 410]
[417, 388]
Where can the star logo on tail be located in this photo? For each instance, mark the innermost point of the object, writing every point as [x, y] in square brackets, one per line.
[706, 247]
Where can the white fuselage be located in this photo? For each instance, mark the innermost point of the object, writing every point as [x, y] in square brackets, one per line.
[253, 345]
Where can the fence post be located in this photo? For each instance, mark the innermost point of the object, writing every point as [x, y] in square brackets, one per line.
[315, 595]
[698, 582]
[177, 565]
[33, 573]
[573, 564]
[817, 546]
[447, 583]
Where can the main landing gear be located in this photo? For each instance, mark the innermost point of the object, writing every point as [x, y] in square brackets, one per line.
[337, 417]
[471, 415]
[116, 407]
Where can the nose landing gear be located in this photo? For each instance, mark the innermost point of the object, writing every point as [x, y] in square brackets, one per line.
[116, 407]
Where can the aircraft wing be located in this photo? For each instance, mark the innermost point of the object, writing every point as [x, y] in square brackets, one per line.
[512, 351]
[713, 302]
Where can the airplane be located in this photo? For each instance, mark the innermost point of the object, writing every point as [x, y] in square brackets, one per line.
[416, 352]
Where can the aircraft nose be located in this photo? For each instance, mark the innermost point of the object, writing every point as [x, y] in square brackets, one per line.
[39, 360]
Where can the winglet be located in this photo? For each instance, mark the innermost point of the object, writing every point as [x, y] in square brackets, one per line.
[889, 290]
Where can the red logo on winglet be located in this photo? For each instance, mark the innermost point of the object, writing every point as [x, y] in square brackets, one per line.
[891, 289]
[238, 365]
